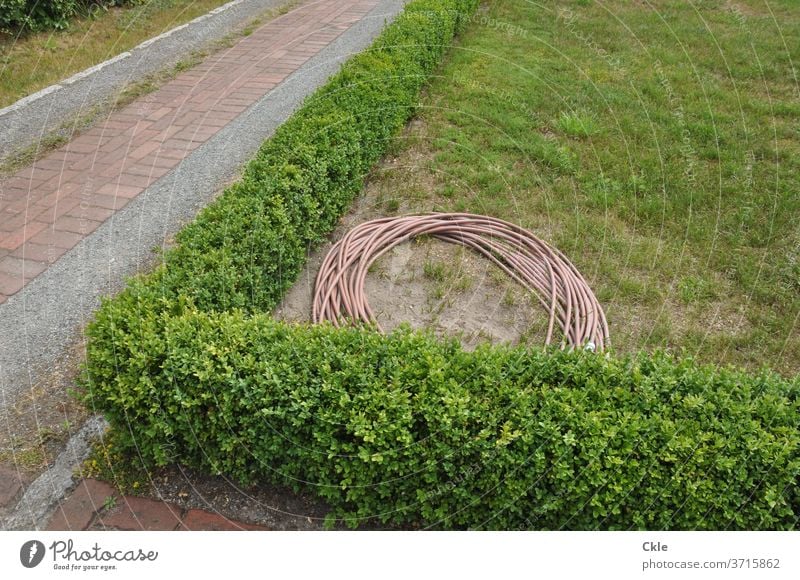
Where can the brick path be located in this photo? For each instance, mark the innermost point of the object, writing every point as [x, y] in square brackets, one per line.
[48, 208]
[95, 505]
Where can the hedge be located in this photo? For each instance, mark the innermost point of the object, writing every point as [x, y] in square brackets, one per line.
[35, 15]
[410, 430]
[187, 366]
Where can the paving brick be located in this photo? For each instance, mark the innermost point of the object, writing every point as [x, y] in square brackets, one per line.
[157, 160]
[60, 208]
[167, 152]
[201, 520]
[160, 113]
[36, 174]
[93, 213]
[130, 179]
[13, 240]
[9, 284]
[144, 150]
[107, 201]
[24, 268]
[77, 511]
[112, 169]
[147, 170]
[87, 163]
[50, 237]
[10, 484]
[39, 252]
[64, 155]
[77, 225]
[52, 163]
[136, 513]
[117, 189]
[83, 145]
[60, 178]
[17, 183]
[11, 223]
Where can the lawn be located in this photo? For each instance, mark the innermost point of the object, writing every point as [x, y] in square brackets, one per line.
[33, 62]
[655, 143]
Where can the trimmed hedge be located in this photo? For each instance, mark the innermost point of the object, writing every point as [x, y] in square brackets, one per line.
[410, 430]
[187, 367]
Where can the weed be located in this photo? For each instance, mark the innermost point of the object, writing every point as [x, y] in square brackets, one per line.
[577, 125]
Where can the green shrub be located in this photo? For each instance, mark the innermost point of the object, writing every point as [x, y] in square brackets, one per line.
[187, 366]
[23, 16]
[34, 15]
[408, 430]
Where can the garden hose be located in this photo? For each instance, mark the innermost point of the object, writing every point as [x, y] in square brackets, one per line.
[542, 270]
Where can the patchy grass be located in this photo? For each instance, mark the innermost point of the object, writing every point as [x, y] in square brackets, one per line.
[36, 61]
[27, 155]
[656, 144]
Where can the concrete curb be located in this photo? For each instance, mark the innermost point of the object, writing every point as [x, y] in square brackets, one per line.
[35, 507]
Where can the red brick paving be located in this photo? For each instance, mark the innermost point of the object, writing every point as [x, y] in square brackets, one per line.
[48, 208]
[95, 505]
[10, 485]
[137, 513]
[80, 508]
[201, 520]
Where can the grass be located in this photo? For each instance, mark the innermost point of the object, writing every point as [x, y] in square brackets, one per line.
[33, 62]
[655, 143]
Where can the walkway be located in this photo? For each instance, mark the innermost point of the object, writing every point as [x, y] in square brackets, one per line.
[48, 208]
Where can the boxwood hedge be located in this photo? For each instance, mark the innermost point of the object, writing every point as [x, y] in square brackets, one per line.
[404, 428]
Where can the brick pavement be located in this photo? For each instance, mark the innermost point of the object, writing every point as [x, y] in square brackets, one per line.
[10, 486]
[95, 505]
[48, 208]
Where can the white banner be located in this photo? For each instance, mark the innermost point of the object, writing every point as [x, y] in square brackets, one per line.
[408, 555]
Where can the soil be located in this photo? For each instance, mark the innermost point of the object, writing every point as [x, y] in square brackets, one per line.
[430, 284]
[39, 423]
[265, 505]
